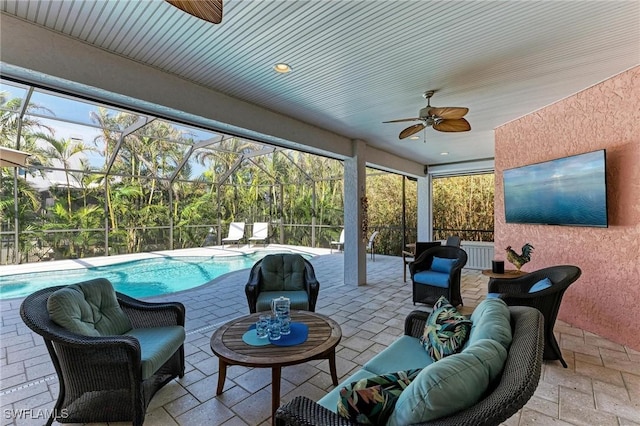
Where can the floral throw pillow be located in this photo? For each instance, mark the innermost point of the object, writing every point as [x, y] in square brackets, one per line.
[446, 330]
[371, 401]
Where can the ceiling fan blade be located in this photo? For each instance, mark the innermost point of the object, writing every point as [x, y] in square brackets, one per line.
[402, 119]
[411, 130]
[209, 10]
[449, 113]
[458, 125]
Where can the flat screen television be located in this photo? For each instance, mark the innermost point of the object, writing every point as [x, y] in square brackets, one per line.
[565, 191]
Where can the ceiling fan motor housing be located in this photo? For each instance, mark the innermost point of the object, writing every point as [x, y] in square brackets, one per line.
[424, 112]
[429, 119]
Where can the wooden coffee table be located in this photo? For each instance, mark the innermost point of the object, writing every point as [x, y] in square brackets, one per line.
[227, 344]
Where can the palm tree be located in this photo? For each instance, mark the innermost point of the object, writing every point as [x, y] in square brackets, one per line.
[63, 151]
[26, 211]
[12, 123]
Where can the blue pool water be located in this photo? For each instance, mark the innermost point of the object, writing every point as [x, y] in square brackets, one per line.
[138, 278]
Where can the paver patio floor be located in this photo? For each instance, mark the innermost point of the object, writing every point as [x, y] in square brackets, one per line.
[600, 387]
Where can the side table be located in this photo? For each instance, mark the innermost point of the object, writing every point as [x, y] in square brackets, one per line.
[508, 273]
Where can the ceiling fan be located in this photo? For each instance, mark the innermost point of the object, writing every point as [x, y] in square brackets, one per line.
[445, 119]
[209, 10]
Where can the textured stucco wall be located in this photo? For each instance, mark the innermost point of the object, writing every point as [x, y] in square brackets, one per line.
[606, 299]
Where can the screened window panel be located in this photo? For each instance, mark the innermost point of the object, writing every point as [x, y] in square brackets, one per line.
[76, 111]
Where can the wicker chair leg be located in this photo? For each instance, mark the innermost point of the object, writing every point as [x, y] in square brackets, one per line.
[552, 349]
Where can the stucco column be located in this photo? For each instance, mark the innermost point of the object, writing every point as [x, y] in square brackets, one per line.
[355, 252]
[425, 209]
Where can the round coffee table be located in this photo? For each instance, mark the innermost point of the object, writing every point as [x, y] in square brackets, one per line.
[228, 346]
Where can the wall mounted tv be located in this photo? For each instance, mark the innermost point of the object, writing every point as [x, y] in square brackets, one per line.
[565, 191]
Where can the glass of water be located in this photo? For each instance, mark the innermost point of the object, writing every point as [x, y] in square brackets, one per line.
[285, 322]
[282, 311]
[274, 328]
[262, 326]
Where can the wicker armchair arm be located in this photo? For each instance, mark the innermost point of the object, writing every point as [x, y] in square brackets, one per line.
[252, 288]
[62, 336]
[415, 322]
[421, 263]
[510, 285]
[149, 314]
[304, 412]
[122, 352]
[311, 284]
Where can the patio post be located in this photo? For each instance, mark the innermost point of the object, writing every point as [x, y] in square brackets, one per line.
[425, 208]
[355, 253]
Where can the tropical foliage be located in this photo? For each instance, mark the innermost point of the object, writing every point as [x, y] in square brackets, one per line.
[142, 184]
[463, 206]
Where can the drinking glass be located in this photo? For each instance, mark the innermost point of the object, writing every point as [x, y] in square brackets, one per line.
[285, 322]
[274, 328]
[262, 326]
[282, 312]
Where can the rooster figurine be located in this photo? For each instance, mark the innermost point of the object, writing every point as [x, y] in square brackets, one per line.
[519, 259]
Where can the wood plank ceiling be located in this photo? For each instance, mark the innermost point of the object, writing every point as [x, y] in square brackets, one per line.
[359, 63]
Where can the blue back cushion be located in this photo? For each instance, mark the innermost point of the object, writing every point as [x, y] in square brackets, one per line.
[491, 320]
[540, 285]
[444, 265]
[450, 384]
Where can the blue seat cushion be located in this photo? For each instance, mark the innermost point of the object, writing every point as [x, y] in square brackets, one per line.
[436, 279]
[406, 352]
[299, 300]
[157, 345]
[540, 285]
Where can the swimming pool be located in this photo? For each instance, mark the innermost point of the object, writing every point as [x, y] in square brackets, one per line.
[137, 278]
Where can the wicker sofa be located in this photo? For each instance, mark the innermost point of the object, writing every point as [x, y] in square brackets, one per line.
[505, 396]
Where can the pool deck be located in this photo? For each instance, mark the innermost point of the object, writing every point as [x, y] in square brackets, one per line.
[600, 387]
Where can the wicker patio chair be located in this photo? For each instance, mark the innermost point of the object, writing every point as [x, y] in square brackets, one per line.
[101, 378]
[417, 249]
[513, 389]
[515, 292]
[282, 275]
[429, 284]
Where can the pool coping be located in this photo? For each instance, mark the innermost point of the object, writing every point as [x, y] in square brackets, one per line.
[213, 251]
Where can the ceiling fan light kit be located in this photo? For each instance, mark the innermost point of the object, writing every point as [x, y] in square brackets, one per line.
[445, 119]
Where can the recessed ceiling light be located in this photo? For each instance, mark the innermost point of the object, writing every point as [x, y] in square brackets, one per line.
[444, 153]
[282, 68]
[414, 137]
